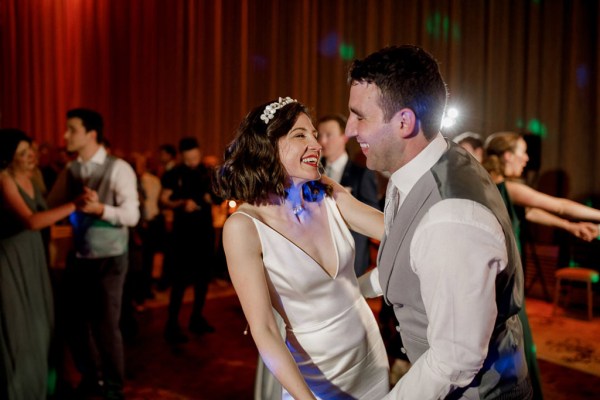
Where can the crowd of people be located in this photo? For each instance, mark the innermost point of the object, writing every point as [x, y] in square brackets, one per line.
[298, 248]
[121, 214]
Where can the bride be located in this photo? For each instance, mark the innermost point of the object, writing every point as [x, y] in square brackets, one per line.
[289, 248]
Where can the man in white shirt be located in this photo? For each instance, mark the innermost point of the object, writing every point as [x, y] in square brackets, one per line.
[95, 272]
[361, 182]
[448, 262]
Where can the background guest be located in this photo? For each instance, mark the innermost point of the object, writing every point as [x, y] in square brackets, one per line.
[96, 269]
[26, 306]
[187, 191]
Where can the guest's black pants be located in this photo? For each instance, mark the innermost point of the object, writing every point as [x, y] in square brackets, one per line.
[94, 289]
[193, 258]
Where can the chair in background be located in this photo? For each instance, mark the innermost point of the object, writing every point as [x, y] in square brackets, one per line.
[576, 274]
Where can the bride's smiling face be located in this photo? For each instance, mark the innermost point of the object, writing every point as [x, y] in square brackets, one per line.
[299, 151]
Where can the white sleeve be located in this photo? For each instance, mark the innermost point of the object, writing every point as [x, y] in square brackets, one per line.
[457, 251]
[369, 284]
[126, 212]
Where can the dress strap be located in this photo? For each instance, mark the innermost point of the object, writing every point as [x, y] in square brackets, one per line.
[245, 213]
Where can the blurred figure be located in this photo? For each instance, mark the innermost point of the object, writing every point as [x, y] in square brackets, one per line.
[96, 269]
[151, 223]
[506, 157]
[472, 142]
[361, 182]
[186, 189]
[26, 306]
[220, 212]
[167, 156]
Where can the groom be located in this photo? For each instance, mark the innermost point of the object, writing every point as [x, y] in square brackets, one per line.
[448, 263]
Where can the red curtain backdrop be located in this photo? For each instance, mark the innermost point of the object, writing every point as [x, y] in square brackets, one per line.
[162, 69]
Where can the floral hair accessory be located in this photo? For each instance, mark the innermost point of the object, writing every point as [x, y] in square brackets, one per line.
[269, 111]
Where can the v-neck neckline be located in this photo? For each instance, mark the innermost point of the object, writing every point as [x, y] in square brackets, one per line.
[22, 190]
[329, 223]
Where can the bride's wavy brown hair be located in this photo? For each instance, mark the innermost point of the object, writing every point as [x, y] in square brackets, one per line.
[251, 170]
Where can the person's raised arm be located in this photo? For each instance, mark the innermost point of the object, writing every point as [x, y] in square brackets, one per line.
[525, 196]
[583, 230]
[31, 220]
[360, 217]
[244, 260]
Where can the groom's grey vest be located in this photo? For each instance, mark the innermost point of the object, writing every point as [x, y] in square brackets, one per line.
[457, 175]
[93, 237]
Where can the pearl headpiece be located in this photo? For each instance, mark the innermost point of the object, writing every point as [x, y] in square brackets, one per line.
[269, 111]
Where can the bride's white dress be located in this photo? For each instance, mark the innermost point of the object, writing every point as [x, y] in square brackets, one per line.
[330, 330]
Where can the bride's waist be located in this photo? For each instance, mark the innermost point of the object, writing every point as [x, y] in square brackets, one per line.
[343, 319]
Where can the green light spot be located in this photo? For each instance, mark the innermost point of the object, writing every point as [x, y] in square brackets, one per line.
[588, 202]
[432, 24]
[346, 51]
[595, 278]
[533, 349]
[445, 27]
[441, 26]
[537, 128]
[573, 264]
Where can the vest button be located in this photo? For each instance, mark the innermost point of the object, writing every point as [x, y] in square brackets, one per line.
[398, 329]
[402, 350]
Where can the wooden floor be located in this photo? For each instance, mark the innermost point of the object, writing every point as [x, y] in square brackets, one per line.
[221, 365]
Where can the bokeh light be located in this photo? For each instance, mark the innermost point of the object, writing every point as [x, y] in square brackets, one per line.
[537, 128]
[450, 117]
[346, 51]
[533, 126]
[583, 76]
[440, 26]
[329, 45]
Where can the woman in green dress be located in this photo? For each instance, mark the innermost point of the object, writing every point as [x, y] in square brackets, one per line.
[505, 159]
[26, 309]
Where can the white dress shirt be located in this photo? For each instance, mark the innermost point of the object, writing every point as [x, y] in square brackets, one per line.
[336, 168]
[123, 183]
[457, 250]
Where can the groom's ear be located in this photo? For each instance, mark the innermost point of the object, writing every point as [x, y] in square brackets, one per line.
[407, 123]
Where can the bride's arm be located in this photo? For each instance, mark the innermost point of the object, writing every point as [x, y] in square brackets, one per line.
[360, 217]
[244, 260]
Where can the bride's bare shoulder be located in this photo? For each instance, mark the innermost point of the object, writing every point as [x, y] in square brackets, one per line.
[242, 217]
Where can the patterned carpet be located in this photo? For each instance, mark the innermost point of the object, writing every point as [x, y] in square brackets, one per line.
[567, 338]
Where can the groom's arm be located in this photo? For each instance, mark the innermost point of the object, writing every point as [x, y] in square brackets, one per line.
[457, 252]
[369, 284]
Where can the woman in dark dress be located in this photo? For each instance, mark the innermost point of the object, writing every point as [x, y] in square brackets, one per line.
[505, 159]
[26, 310]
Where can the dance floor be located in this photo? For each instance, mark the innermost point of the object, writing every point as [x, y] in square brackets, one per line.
[221, 365]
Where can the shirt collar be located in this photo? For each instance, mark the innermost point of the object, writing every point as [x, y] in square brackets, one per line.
[406, 177]
[98, 157]
[340, 163]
